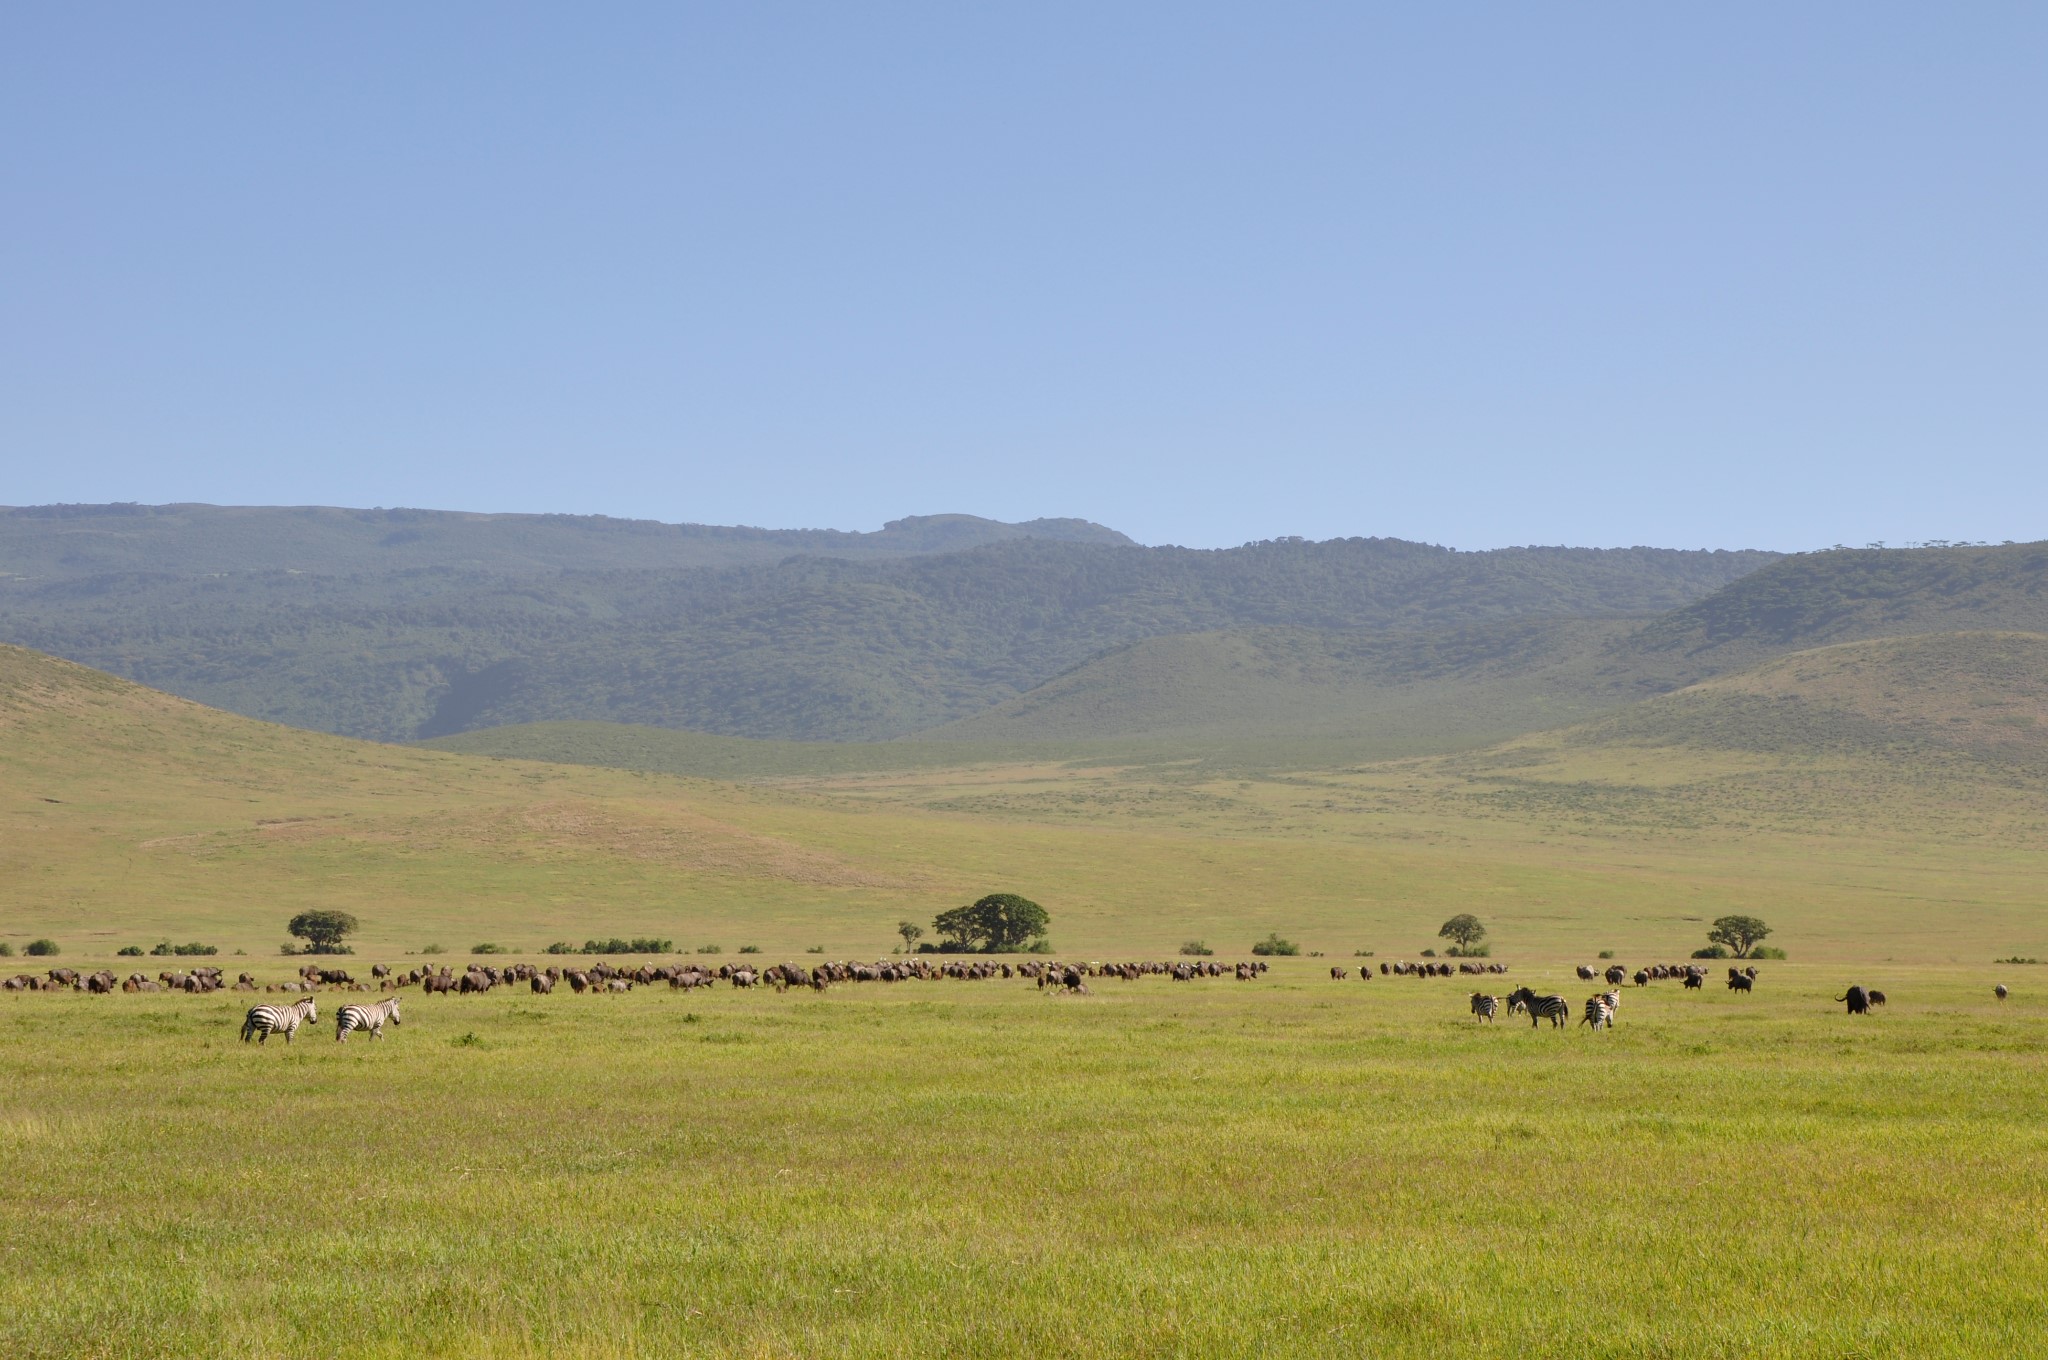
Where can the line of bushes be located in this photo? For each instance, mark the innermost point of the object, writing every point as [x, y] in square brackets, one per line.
[639, 944]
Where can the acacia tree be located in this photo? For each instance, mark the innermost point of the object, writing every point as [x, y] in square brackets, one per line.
[323, 931]
[1001, 923]
[909, 930]
[1462, 930]
[1740, 933]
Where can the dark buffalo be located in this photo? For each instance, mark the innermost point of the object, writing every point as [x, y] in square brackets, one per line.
[1858, 1001]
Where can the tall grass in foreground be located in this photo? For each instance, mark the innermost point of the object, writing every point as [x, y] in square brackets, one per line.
[1293, 1167]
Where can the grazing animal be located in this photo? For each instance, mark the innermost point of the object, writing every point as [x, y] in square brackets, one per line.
[1339, 974]
[1740, 982]
[1642, 977]
[1598, 1013]
[1616, 975]
[1555, 1009]
[1586, 974]
[2000, 992]
[370, 1017]
[263, 1021]
[1484, 1006]
[1858, 1001]
[1876, 997]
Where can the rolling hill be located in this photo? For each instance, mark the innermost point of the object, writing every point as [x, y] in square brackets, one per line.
[477, 622]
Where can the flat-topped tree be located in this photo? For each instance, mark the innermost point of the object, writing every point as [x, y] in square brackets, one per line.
[323, 931]
[1740, 933]
[1001, 923]
[1462, 930]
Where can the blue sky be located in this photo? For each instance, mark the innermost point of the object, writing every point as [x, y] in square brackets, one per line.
[1705, 275]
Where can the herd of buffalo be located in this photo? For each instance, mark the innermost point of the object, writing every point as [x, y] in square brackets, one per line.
[1071, 978]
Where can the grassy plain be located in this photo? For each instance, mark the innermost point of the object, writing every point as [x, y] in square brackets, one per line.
[1291, 1167]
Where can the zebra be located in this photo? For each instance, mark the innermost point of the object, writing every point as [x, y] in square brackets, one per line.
[370, 1017]
[262, 1021]
[1600, 1010]
[1555, 1009]
[1484, 1006]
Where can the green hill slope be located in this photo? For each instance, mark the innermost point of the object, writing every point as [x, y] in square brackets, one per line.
[478, 623]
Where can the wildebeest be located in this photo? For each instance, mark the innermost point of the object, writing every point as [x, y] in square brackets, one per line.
[2000, 992]
[1739, 982]
[1858, 1001]
[1339, 974]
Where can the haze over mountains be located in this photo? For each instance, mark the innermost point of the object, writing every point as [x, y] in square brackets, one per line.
[405, 624]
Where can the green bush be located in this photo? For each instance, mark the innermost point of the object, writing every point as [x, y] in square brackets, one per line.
[815, 949]
[430, 949]
[6, 950]
[562, 947]
[1196, 948]
[2014, 959]
[639, 944]
[1712, 951]
[1362, 953]
[1607, 953]
[126, 951]
[1767, 951]
[488, 949]
[42, 949]
[1038, 945]
[1429, 953]
[1273, 945]
[165, 949]
[709, 949]
[750, 949]
[1476, 951]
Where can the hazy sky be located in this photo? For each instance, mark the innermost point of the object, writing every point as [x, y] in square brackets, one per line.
[1712, 275]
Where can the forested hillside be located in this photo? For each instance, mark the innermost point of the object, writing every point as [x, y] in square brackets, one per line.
[810, 646]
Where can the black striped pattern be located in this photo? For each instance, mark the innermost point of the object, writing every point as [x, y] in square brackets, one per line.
[263, 1021]
[1600, 1010]
[1484, 1006]
[370, 1017]
[1555, 1009]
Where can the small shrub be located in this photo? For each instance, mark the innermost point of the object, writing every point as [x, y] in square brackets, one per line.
[430, 949]
[42, 949]
[1041, 945]
[750, 949]
[1274, 945]
[488, 948]
[1767, 951]
[1712, 951]
[1362, 953]
[2014, 959]
[468, 1040]
[1196, 948]
[1607, 953]
[7, 950]
[126, 951]
[709, 949]
[165, 948]
[1470, 951]
[1429, 953]
[1315, 953]
[639, 944]
[561, 947]
[815, 949]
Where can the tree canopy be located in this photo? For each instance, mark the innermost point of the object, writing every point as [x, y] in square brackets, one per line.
[1000, 923]
[1740, 933]
[323, 931]
[1462, 930]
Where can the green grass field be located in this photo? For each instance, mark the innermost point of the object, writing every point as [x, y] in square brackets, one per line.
[1290, 1167]
[1295, 1166]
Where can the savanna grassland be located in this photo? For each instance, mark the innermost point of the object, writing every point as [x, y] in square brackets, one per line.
[1290, 1166]
[1295, 1166]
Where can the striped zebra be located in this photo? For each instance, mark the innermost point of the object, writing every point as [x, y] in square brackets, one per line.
[1555, 1009]
[263, 1021]
[370, 1017]
[1484, 1006]
[1600, 1010]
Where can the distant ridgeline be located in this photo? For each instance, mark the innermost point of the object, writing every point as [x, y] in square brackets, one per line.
[400, 624]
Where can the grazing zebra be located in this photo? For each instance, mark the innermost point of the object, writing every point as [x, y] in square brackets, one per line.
[1597, 1013]
[1555, 1009]
[370, 1017]
[1484, 1006]
[262, 1021]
